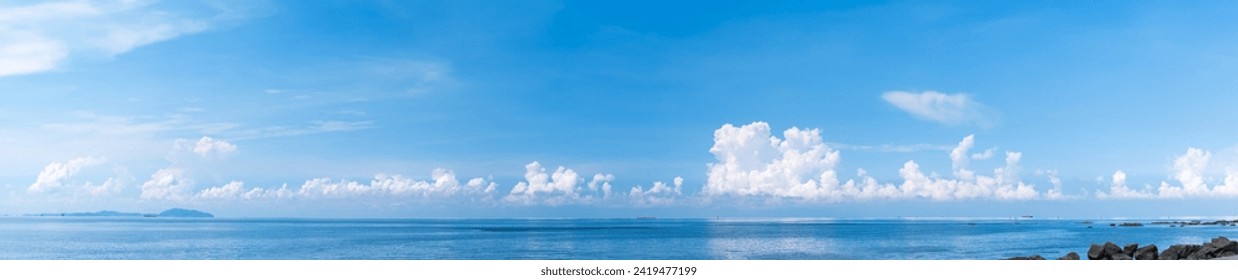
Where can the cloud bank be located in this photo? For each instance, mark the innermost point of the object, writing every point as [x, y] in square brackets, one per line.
[751, 162]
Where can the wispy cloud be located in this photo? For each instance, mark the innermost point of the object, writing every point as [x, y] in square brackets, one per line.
[892, 148]
[312, 128]
[39, 37]
[948, 109]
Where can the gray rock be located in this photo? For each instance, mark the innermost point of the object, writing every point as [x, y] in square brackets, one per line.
[1224, 245]
[1072, 256]
[1096, 252]
[1027, 258]
[1129, 250]
[1146, 253]
[1120, 257]
[1112, 250]
[1179, 252]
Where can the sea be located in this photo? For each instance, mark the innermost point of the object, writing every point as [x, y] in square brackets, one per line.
[125, 238]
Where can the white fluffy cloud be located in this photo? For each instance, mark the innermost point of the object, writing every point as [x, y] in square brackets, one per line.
[601, 182]
[167, 184]
[753, 163]
[206, 147]
[36, 37]
[659, 194]
[949, 109]
[560, 187]
[1188, 171]
[54, 174]
[1119, 189]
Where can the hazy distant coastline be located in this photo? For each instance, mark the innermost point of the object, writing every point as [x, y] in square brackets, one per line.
[170, 213]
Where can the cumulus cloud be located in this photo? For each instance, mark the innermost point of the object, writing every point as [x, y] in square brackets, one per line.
[659, 194]
[167, 184]
[750, 162]
[54, 174]
[601, 182]
[560, 187]
[37, 37]
[1188, 172]
[1119, 189]
[206, 147]
[948, 109]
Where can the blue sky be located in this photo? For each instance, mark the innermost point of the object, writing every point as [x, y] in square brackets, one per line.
[619, 108]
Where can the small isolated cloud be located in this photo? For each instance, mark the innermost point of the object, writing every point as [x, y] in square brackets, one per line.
[1119, 189]
[659, 194]
[948, 109]
[206, 147]
[37, 37]
[54, 174]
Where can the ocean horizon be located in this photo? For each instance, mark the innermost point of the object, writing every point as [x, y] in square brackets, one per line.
[907, 238]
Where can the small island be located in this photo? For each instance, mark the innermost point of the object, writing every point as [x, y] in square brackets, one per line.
[170, 213]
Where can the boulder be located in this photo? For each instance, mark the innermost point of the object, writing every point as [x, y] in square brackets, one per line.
[1195, 252]
[1146, 253]
[1112, 250]
[1224, 244]
[1070, 256]
[1129, 250]
[1096, 252]
[1027, 258]
[1120, 257]
[1179, 252]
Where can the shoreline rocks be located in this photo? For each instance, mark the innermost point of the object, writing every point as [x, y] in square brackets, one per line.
[1219, 247]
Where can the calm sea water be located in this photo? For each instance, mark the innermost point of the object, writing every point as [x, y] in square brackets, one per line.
[161, 238]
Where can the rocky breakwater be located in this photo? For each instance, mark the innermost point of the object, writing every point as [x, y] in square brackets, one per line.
[1219, 247]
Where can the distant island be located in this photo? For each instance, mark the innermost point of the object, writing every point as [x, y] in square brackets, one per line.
[172, 213]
